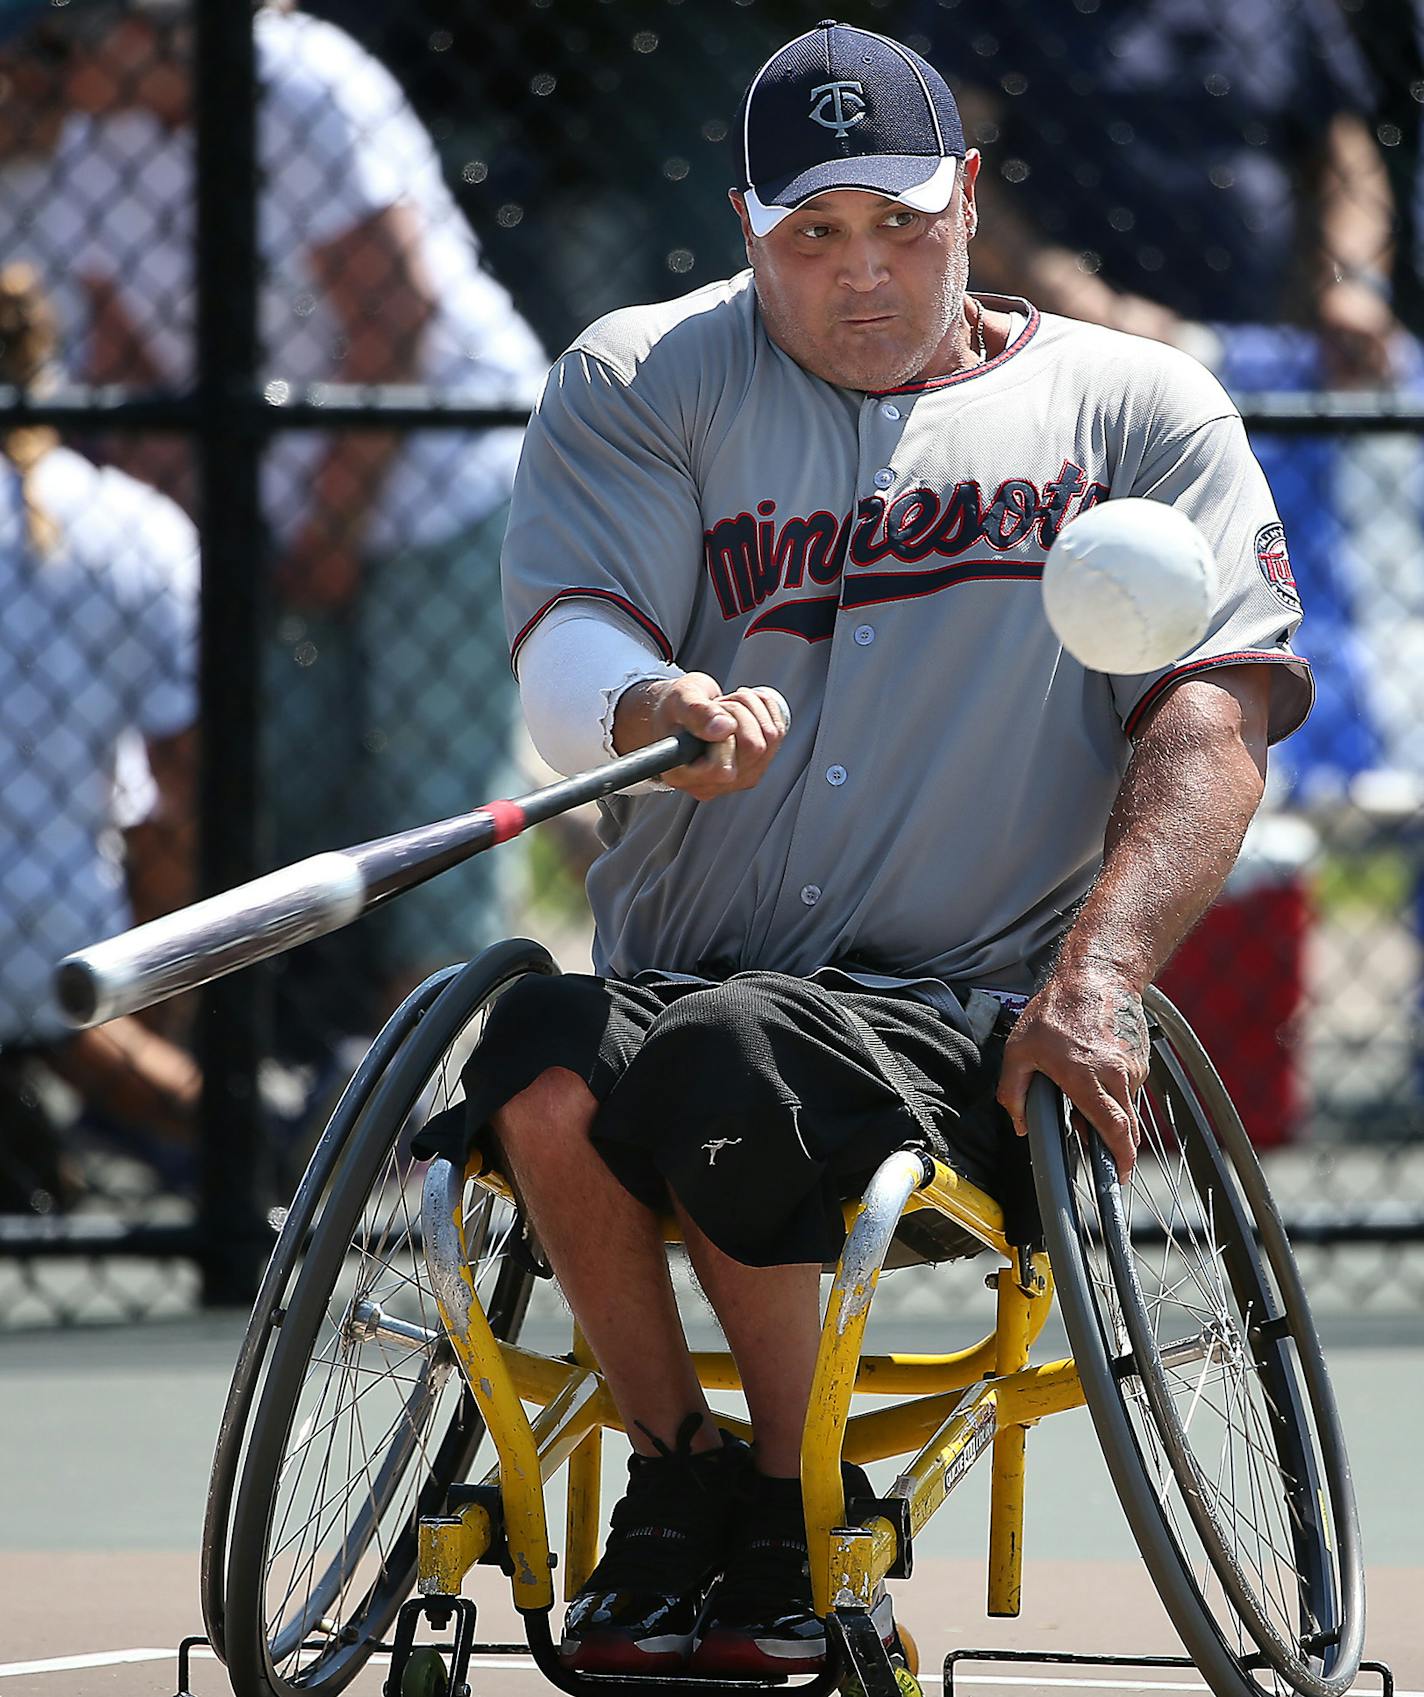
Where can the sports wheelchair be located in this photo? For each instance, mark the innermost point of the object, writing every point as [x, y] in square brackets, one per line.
[376, 1441]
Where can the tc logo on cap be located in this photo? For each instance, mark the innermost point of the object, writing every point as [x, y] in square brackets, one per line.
[847, 106]
[883, 120]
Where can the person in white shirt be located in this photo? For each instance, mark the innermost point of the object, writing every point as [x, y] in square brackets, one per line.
[388, 695]
[99, 582]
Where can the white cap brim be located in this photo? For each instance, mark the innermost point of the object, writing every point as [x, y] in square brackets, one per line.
[933, 194]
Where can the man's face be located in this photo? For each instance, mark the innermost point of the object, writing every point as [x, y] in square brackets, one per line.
[865, 292]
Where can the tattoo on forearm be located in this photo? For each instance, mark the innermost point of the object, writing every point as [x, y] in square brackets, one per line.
[1129, 1025]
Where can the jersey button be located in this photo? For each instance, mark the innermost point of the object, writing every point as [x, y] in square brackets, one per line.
[810, 894]
[887, 411]
[865, 635]
[884, 477]
[836, 775]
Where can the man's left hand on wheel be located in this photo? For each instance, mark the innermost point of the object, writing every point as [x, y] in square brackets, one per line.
[1087, 1033]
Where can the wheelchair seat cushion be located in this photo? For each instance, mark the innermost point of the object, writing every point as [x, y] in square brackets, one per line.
[756, 1101]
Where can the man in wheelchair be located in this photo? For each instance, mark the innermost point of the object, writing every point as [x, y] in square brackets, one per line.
[830, 483]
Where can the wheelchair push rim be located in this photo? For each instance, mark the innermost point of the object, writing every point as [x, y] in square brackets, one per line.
[1206, 1381]
[364, 1421]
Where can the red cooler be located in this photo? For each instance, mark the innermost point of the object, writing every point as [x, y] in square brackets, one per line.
[1240, 978]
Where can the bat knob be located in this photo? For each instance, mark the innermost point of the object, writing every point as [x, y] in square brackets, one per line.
[76, 991]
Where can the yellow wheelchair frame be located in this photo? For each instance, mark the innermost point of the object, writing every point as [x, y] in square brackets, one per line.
[1244, 1327]
[944, 1432]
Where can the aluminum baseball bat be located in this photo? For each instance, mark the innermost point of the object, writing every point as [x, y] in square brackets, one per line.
[293, 905]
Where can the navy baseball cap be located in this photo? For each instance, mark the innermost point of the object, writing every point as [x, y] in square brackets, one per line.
[844, 108]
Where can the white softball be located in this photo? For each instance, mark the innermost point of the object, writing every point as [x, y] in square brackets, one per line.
[1129, 586]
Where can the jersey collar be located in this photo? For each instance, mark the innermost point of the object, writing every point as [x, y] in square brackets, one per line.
[1000, 303]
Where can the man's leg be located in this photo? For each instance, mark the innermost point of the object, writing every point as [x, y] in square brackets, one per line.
[643, 1605]
[760, 1619]
[771, 1317]
[607, 1253]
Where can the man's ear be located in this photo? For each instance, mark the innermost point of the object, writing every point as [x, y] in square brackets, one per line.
[968, 177]
[739, 206]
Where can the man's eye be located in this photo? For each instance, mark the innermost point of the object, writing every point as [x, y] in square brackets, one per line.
[901, 220]
[815, 231]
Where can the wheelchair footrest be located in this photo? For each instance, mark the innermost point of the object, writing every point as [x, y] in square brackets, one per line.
[1076, 1659]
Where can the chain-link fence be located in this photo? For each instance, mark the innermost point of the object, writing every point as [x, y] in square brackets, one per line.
[225, 230]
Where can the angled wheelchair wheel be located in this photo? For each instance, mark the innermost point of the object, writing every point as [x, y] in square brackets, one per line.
[296, 1224]
[1205, 1379]
[362, 1421]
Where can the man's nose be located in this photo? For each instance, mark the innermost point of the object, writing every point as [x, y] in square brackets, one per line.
[863, 266]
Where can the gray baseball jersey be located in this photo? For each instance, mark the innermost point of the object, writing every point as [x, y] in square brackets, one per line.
[940, 802]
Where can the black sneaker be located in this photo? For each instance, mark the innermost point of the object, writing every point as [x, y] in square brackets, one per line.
[760, 1619]
[644, 1603]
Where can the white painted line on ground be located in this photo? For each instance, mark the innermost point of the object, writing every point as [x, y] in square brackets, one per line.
[1072, 1684]
[1083, 1684]
[98, 1659]
[526, 1664]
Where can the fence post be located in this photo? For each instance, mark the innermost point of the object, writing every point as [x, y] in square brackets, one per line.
[232, 1164]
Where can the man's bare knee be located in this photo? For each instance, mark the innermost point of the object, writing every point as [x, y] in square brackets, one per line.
[557, 1107]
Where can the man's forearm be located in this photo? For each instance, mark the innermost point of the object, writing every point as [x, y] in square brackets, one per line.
[347, 482]
[1194, 782]
[375, 280]
[1356, 206]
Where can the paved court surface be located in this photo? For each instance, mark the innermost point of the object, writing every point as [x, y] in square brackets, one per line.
[107, 1438]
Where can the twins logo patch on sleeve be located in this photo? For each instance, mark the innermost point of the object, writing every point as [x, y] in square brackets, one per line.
[1274, 561]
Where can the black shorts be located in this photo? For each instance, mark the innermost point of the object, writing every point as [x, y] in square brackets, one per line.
[756, 1101]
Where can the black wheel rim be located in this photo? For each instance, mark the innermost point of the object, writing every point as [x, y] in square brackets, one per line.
[276, 1286]
[1207, 1342]
[363, 1421]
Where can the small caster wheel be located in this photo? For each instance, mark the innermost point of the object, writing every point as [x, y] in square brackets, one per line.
[424, 1674]
[907, 1648]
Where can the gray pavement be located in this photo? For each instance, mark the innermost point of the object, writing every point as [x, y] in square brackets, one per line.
[108, 1437]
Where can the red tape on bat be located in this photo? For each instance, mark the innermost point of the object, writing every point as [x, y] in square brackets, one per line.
[508, 818]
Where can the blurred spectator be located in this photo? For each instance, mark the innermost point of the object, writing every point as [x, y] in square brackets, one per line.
[42, 229]
[1204, 171]
[388, 695]
[98, 578]
[1390, 34]
[39, 223]
[1170, 163]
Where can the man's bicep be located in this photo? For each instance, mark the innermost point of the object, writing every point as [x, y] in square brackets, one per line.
[605, 509]
[1229, 701]
[1209, 472]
